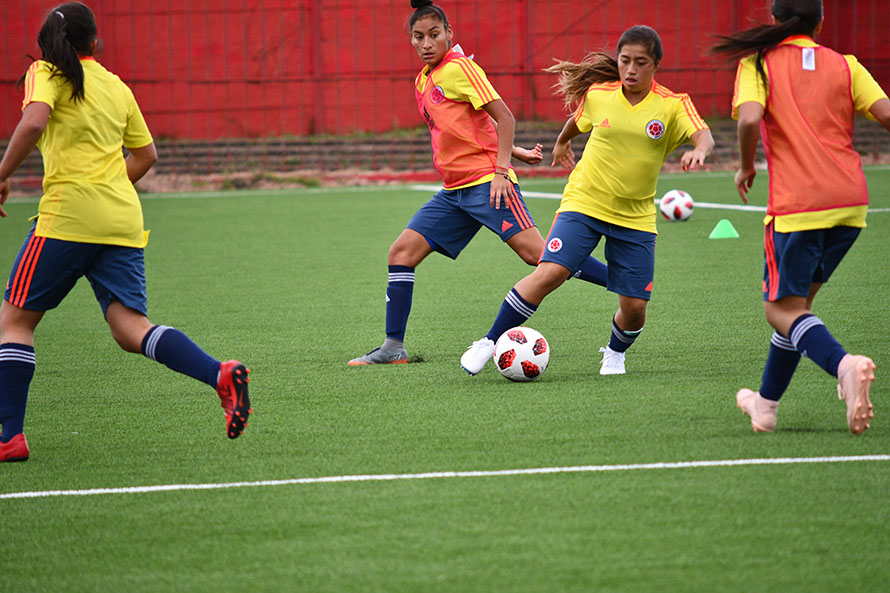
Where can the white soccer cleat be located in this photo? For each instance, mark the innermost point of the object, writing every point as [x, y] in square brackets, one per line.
[477, 356]
[762, 411]
[613, 362]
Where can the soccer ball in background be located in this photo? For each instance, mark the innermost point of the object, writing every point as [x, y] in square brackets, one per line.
[676, 205]
[521, 354]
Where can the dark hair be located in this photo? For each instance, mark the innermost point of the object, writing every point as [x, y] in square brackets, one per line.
[793, 17]
[575, 78]
[424, 8]
[67, 33]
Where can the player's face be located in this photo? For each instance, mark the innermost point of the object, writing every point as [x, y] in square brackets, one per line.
[636, 68]
[431, 39]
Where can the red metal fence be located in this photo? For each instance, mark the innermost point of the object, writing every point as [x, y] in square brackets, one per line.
[205, 69]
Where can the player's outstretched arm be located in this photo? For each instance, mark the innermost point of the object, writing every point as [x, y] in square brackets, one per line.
[703, 144]
[24, 139]
[530, 157]
[750, 116]
[562, 149]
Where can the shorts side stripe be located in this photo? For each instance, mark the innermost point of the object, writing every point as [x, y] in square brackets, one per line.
[770, 259]
[520, 214]
[22, 280]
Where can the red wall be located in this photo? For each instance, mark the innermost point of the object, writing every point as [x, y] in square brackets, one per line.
[252, 68]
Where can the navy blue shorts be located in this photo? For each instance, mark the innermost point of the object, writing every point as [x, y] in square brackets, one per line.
[630, 253]
[452, 217]
[45, 271]
[793, 261]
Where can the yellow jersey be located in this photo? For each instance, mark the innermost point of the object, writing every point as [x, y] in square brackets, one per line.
[87, 196]
[615, 179]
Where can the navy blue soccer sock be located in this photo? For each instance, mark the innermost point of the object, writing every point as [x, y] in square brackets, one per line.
[515, 311]
[17, 364]
[812, 339]
[174, 349]
[399, 292]
[593, 271]
[621, 340]
[781, 362]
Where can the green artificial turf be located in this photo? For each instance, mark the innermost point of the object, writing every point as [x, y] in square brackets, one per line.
[293, 284]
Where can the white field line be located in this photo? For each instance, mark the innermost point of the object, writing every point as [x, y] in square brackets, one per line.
[448, 474]
[711, 205]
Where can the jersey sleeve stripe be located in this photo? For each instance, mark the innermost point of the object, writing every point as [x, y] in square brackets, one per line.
[476, 81]
[697, 120]
[29, 83]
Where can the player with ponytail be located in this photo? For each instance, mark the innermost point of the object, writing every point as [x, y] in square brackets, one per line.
[635, 123]
[89, 223]
[803, 97]
[471, 129]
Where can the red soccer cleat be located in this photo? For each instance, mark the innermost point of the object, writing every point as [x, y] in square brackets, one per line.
[16, 449]
[232, 391]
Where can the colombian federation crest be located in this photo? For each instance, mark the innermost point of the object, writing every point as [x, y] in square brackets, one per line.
[655, 129]
[554, 244]
[437, 95]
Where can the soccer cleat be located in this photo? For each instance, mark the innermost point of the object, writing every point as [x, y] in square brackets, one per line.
[477, 356]
[761, 410]
[232, 391]
[613, 362]
[381, 356]
[16, 449]
[854, 376]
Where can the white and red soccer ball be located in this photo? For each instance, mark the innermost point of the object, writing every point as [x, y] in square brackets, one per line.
[676, 205]
[521, 354]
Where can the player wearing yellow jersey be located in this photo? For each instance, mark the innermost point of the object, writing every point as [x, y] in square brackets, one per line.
[804, 97]
[471, 129]
[635, 123]
[89, 222]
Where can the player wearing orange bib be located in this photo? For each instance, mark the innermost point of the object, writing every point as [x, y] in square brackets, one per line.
[89, 223]
[802, 97]
[471, 129]
[635, 123]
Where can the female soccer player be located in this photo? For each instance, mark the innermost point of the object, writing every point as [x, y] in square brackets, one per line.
[89, 222]
[636, 123]
[472, 137]
[803, 96]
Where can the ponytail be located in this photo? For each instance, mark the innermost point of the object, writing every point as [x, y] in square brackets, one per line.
[598, 67]
[67, 33]
[794, 17]
[575, 78]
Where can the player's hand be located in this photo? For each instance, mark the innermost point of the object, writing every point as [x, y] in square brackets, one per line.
[693, 158]
[4, 193]
[501, 190]
[563, 155]
[744, 179]
[531, 157]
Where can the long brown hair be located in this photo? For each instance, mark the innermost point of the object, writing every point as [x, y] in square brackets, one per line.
[575, 78]
[793, 17]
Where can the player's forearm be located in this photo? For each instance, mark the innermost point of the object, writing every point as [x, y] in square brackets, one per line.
[749, 134]
[569, 130]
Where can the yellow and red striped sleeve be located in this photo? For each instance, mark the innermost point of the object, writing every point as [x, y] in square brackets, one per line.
[462, 79]
[38, 85]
